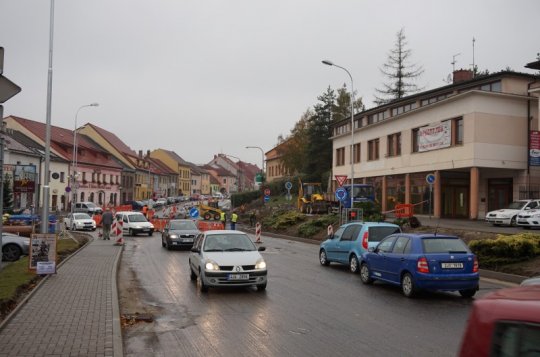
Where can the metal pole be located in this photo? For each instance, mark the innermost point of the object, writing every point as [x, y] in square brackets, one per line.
[1, 182]
[262, 163]
[330, 63]
[46, 174]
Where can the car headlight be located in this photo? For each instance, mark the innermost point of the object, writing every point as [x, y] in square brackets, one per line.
[536, 215]
[173, 236]
[261, 264]
[152, 226]
[211, 265]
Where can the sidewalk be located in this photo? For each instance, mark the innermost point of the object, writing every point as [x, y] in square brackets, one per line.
[72, 313]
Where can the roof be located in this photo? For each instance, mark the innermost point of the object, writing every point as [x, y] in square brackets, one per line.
[112, 139]
[158, 167]
[13, 144]
[533, 65]
[176, 157]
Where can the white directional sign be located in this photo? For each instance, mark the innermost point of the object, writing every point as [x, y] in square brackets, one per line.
[7, 88]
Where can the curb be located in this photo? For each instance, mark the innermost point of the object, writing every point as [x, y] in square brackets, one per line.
[488, 274]
[118, 345]
[42, 281]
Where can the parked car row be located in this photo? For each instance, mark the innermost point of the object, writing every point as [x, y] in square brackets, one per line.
[524, 213]
[415, 262]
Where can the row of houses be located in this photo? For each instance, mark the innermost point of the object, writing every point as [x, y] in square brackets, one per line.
[104, 170]
[478, 136]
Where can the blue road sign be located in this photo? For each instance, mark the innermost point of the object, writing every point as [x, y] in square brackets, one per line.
[341, 193]
[288, 185]
[194, 212]
[266, 198]
[430, 179]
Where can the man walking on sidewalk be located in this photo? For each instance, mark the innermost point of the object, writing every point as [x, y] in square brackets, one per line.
[106, 221]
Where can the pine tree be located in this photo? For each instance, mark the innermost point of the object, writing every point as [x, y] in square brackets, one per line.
[8, 192]
[399, 72]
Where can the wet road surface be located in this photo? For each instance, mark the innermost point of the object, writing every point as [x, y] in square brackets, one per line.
[307, 309]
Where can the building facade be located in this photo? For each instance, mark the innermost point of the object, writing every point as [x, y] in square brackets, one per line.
[472, 135]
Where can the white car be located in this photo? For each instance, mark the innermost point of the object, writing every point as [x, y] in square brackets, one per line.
[529, 218]
[227, 258]
[13, 246]
[79, 221]
[134, 223]
[508, 216]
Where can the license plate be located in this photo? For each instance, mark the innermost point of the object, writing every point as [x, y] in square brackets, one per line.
[145, 230]
[238, 277]
[187, 240]
[452, 265]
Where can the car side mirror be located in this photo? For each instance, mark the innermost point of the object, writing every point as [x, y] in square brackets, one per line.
[261, 249]
[195, 250]
[527, 208]
[371, 249]
[331, 236]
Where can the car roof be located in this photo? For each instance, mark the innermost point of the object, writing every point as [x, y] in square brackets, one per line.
[427, 235]
[222, 231]
[384, 224]
[128, 212]
[520, 293]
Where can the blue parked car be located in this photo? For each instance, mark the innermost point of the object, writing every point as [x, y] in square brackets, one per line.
[353, 239]
[422, 262]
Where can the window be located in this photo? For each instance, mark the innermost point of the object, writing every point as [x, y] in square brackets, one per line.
[457, 129]
[62, 177]
[349, 232]
[415, 139]
[373, 149]
[386, 245]
[516, 339]
[356, 153]
[340, 157]
[377, 117]
[401, 244]
[403, 109]
[84, 177]
[394, 144]
[435, 99]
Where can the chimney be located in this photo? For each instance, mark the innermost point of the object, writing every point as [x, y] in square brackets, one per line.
[140, 154]
[462, 75]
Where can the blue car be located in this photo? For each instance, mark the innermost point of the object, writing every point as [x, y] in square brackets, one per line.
[351, 240]
[422, 262]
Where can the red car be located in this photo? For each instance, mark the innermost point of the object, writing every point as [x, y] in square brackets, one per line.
[504, 323]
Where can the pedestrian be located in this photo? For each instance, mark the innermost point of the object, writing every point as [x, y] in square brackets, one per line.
[222, 218]
[145, 211]
[106, 221]
[234, 218]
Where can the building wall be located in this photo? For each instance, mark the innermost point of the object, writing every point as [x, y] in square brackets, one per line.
[184, 172]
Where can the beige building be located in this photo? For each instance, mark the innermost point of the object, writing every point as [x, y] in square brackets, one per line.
[178, 165]
[472, 135]
[275, 170]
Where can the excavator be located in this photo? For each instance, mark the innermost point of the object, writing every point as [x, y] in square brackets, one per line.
[311, 198]
[210, 211]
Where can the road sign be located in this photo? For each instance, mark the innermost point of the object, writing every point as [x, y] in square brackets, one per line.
[341, 194]
[194, 212]
[266, 198]
[68, 189]
[341, 179]
[430, 179]
[7, 88]
[288, 185]
[267, 192]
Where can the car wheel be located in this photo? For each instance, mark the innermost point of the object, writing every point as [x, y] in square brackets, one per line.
[93, 229]
[130, 232]
[163, 243]
[73, 228]
[365, 274]
[66, 227]
[469, 293]
[150, 234]
[261, 287]
[323, 259]
[11, 252]
[200, 284]
[353, 264]
[407, 285]
[192, 275]
[513, 221]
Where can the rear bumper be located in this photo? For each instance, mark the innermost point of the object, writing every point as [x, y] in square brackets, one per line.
[448, 282]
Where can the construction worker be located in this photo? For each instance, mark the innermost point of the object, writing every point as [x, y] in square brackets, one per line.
[223, 218]
[234, 218]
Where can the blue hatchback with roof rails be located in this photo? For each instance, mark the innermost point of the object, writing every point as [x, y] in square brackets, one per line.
[351, 240]
[422, 262]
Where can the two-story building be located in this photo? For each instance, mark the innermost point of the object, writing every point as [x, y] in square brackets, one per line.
[472, 135]
[178, 165]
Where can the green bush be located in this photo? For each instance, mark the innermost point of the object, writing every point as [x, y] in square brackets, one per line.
[506, 249]
[313, 227]
[283, 219]
[308, 230]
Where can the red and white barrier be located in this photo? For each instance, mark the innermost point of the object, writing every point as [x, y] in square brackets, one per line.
[330, 230]
[117, 231]
[258, 233]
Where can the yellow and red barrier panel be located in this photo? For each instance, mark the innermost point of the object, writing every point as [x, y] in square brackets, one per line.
[209, 225]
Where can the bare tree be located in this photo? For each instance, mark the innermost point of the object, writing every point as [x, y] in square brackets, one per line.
[399, 72]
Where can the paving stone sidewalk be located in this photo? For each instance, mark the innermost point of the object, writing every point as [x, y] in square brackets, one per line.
[72, 313]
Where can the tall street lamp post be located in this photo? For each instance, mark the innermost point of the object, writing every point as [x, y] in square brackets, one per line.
[262, 163]
[75, 168]
[330, 63]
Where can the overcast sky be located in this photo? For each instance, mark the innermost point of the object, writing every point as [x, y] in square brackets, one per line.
[204, 77]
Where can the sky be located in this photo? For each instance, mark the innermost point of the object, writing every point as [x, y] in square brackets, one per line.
[201, 77]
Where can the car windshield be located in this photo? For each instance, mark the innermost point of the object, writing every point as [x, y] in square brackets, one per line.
[444, 245]
[90, 205]
[81, 216]
[183, 226]
[228, 243]
[517, 205]
[137, 218]
[376, 234]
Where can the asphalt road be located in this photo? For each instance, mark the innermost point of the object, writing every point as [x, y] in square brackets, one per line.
[307, 309]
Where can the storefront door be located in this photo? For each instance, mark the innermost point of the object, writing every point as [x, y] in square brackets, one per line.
[499, 193]
[455, 201]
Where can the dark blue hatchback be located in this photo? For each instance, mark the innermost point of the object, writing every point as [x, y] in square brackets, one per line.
[422, 262]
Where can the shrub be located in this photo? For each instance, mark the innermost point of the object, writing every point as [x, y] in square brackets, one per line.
[313, 227]
[506, 249]
[282, 220]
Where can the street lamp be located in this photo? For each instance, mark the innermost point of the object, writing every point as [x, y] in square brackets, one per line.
[75, 173]
[330, 63]
[262, 166]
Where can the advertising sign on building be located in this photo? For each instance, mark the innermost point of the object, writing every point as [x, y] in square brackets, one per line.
[435, 136]
[534, 151]
[24, 178]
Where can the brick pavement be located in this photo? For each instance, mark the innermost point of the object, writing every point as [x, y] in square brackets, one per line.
[72, 313]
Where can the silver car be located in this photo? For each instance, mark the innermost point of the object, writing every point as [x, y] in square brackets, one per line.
[227, 258]
[14, 246]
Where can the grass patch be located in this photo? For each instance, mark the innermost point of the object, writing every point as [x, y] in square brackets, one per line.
[313, 227]
[12, 276]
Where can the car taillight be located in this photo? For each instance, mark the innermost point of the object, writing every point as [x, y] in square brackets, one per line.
[422, 265]
[365, 240]
[475, 266]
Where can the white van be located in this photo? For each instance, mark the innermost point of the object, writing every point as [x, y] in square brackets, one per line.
[134, 223]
